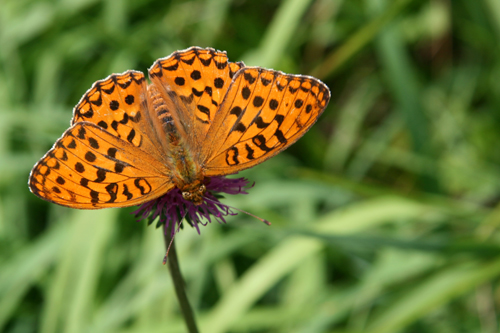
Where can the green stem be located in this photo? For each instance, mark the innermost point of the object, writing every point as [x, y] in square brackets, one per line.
[179, 285]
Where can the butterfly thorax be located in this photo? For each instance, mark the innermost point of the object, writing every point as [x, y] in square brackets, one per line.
[186, 174]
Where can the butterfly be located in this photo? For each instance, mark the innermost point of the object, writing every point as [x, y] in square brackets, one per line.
[201, 116]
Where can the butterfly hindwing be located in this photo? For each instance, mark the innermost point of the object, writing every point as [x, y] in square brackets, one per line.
[194, 83]
[263, 113]
[90, 168]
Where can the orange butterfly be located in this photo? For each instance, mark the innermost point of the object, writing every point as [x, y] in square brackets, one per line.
[202, 116]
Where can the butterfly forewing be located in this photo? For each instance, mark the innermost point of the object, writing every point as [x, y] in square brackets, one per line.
[264, 112]
[118, 104]
[90, 168]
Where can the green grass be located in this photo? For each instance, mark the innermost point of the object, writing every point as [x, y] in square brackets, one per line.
[384, 216]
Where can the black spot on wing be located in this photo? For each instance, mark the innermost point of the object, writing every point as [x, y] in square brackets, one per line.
[240, 127]
[112, 152]
[89, 114]
[114, 105]
[93, 143]
[206, 62]
[64, 156]
[129, 99]
[195, 75]
[84, 182]
[279, 118]
[143, 185]
[131, 136]
[245, 92]
[179, 81]
[273, 104]
[265, 81]
[169, 68]
[125, 85]
[119, 166]
[236, 111]
[220, 65]
[219, 83]
[126, 192]
[56, 166]
[97, 102]
[79, 167]
[196, 92]
[90, 156]
[103, 124]
[189, 61]
[112, 190]
[81, 133]
[258, 101]
[124, 120]
[260, 123]
[110, 90]
[232, 156]
[280, 136]
[208, 90]
[204, 109]
[95, 196]
[101, 175]
[250, 152]
[249, 77]
[260, 141]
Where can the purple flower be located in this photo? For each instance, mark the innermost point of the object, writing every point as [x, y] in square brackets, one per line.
[172, 208]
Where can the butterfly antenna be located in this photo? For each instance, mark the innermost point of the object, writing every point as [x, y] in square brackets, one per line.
[168, 250]
[172, 240]
[242, 211]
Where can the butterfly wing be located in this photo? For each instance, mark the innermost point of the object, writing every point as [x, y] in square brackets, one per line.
[111, 156]
[263, 113]
[119, 105]
[194, 82]
[90, 168]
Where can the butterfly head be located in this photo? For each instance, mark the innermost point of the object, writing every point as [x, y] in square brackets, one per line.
[195, 193]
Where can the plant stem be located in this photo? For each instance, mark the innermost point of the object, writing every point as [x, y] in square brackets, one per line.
[179, 285]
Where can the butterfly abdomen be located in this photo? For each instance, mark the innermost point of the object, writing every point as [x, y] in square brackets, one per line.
[160, 108]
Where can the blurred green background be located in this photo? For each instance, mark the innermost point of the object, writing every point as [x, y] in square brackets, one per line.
[385, 215]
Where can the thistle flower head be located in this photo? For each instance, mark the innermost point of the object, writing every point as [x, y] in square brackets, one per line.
[172, 208]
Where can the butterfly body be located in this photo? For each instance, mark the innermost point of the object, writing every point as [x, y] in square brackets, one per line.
[187, 175]
[201, 116]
